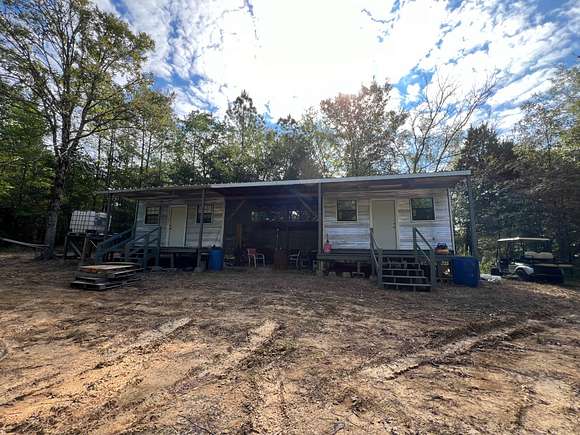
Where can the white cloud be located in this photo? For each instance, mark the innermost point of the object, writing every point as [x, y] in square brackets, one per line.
[412, 92]
[106, 5]
[522, 89]
[507, 119]
[291, 55]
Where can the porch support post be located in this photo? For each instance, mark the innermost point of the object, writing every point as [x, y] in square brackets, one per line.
[319, 262]
[200, 238]
[472, 230]
[109, 208]
[320, 218]
[135, 218]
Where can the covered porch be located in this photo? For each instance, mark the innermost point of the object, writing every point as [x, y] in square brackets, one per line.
[283, 218]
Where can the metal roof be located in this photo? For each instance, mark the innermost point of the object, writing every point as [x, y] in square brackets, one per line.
[531, 239]
[449, 178]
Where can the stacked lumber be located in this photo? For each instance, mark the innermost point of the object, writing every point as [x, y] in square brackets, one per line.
[105, 276]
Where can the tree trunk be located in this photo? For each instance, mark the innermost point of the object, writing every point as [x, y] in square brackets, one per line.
[54, 207]
[141, 166]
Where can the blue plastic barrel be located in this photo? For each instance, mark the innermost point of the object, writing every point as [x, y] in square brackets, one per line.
[465, 271]
[216, 258]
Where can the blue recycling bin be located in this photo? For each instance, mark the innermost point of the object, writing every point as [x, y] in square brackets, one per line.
[465, 271]
[216, 258]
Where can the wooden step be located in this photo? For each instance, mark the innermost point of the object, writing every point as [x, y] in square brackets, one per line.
[106, 268]
[403, 272]
[403, 286]
[99, 286]
[404, 279]
[402, 266]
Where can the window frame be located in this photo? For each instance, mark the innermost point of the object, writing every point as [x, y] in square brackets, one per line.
[355, 210]
[422, 208]
[210, 212]
[147, 214]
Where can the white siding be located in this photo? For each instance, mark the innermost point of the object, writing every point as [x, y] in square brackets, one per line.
[212, 232]
[355, 235]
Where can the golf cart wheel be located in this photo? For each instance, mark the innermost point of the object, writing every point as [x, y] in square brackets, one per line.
[522, 276]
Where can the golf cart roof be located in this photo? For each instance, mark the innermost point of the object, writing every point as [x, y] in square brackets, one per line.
[525, 239]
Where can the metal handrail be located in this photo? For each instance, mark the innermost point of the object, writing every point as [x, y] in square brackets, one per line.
[127, 241]
[107, 245]
[430, 258]
[114, 238]
[373, 249]
[146, 237]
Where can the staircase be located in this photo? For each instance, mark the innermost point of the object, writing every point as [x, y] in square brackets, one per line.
[405, 270]
[131, 248]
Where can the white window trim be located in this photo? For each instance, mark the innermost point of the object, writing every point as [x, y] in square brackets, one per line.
[347, 222]
[198, 206]
[422, 220]
[145, 215]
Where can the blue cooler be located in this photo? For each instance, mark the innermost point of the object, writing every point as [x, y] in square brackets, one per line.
[465, 271]
[216, 259]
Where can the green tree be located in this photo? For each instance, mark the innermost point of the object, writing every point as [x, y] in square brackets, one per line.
[25, 166]
[246, 141]
[528, 186]
[79, 63]
[365, 128]
[549, 150]
[201, 137]
[324, 149]
[153, 119]
[499, 209]
[290, 156]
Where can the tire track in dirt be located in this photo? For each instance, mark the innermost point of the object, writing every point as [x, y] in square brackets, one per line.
[191, 382]
[96, 384]
[3, 350]
[400, 366]
[257, 338]
[267, 405]
[149, 338]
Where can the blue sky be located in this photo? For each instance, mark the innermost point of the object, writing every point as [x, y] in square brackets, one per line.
[289, 55]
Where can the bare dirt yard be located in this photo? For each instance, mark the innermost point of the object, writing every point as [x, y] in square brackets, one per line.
[259, 352]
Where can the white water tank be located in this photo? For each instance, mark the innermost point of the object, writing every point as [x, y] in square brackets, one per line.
[88, 221]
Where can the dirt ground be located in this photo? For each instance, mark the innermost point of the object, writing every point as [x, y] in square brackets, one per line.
[263, 352]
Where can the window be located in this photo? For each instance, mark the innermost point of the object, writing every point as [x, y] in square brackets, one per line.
[207, 214]
[152, 216]
[346, 210]
[422, 209]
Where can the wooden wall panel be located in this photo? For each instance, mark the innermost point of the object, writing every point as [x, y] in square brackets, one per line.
[212, 232]
[355, 235]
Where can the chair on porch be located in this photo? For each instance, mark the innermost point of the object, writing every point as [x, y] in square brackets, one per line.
[294, 259]
[256, 256]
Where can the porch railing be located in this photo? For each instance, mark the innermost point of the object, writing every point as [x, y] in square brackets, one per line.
[429, 256]
[112, 243]
[145, 243]
[376, 257]
[140, 247]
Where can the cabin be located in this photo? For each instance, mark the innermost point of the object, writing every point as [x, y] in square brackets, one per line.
[315, 223]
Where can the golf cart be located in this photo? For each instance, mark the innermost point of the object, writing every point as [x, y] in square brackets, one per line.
[527, 258]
